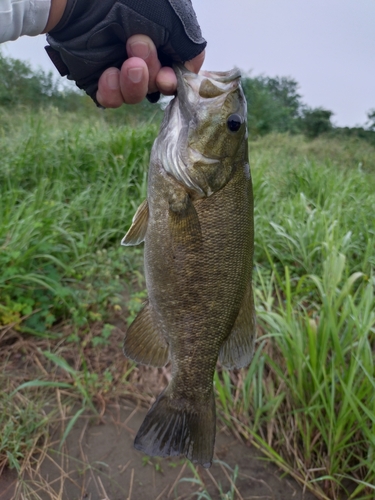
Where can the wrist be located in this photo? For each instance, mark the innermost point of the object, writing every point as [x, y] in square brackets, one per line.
[55, 14]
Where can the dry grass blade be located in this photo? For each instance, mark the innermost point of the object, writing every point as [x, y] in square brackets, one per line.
[272, 497]
[213, 479]
[231, 481]
[131, 485]
[160, 496]
[103, 490]
[123, 469]
[177, 480]
[131, 415]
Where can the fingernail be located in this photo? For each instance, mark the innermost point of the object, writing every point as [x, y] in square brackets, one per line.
[140, 49]
[112, 80]
[135, 74]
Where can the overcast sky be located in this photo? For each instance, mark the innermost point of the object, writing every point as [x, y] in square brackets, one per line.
[328, 46]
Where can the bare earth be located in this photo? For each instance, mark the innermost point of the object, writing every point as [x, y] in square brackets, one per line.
[98, 462]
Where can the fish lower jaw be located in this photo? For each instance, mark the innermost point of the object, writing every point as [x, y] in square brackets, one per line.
[197, 157]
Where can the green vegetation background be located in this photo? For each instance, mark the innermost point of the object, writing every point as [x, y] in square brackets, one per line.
[71, 178]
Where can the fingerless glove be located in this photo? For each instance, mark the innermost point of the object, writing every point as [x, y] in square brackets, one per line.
[92, 35]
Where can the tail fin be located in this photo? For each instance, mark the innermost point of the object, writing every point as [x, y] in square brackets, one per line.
[173, 428]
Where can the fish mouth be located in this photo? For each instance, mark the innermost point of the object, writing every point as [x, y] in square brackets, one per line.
[223, 77]
[193, 89]
[189, 83]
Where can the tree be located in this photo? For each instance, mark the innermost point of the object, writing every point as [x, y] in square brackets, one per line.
[19, 84]
[316, 121]
[273, 104]
[371, 119]
[22, 85]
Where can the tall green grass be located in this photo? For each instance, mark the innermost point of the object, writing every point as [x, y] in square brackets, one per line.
[310, 394]
[304, 207]
[68, 190]
[67, 193]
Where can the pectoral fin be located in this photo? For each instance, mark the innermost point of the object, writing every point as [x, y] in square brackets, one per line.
[238, 349]
[184, 223]
[137, 231]
[144, 341]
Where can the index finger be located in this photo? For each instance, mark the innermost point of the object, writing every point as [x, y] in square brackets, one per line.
[166, 80]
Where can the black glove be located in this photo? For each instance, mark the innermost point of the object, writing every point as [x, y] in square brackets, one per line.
[92, 34]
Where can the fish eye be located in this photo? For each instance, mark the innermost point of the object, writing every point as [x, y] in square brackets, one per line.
[234, 122]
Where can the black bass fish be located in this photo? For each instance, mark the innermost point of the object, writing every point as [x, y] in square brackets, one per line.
[197, 228]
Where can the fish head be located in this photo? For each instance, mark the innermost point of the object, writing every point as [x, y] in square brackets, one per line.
[203, 137]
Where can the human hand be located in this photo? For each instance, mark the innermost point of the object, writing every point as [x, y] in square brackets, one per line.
[56, 12]
[96, 44]
[141, 74]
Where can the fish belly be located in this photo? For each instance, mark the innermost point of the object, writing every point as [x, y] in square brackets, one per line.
[198, 287]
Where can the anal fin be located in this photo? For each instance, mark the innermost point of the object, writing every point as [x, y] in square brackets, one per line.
[238, 349]
[138, 229]
[144, 342]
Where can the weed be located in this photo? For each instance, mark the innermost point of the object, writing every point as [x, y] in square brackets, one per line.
[103, 339]
[203, 494]
[57, 222]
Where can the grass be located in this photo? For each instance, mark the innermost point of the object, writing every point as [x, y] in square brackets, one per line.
[310, 396]
[21, 428]
[202, 492]
[68, 191]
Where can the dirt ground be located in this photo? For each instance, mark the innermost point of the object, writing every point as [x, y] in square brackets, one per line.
[98, 462]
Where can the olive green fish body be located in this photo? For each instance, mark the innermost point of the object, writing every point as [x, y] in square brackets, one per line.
[197, 227]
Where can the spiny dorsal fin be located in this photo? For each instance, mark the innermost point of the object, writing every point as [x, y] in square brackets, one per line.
[144, 342]
[137, 231]
[238, 349]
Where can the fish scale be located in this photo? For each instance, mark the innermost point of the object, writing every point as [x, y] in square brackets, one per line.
[197, 227]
